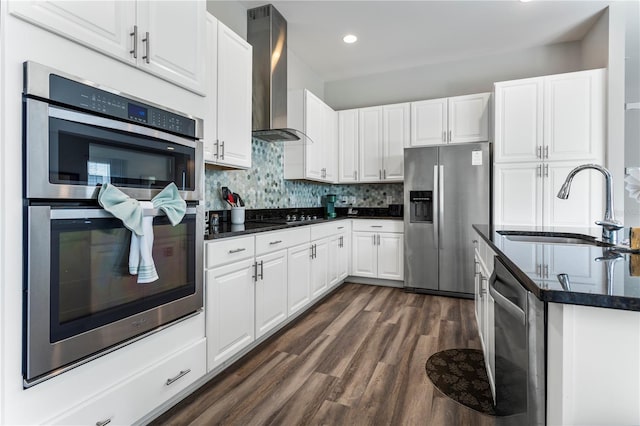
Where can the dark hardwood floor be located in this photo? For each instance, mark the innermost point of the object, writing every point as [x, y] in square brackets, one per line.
[357, 358]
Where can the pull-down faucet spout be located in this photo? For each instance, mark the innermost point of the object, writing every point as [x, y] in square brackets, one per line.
[610, 225]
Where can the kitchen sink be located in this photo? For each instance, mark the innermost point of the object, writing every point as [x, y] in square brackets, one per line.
[553, 238]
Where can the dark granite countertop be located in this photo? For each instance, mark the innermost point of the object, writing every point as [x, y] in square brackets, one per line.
[226, 229]
[579, 274]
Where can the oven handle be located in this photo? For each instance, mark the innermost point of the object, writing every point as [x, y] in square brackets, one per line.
[100, 213]
[501, 300]
[94, 120]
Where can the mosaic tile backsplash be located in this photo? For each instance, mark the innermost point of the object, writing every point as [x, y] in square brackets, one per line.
[264, 187]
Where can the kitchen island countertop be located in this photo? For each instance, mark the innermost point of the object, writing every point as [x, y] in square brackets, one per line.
[578, 274]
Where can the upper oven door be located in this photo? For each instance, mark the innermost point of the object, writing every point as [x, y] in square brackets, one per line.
[70, 154]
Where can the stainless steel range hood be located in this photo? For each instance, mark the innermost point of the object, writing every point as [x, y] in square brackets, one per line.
[267, 33]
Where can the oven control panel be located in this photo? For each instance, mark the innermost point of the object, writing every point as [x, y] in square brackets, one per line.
[91, 98]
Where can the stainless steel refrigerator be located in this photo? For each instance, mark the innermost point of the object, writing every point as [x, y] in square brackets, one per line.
[446, 190]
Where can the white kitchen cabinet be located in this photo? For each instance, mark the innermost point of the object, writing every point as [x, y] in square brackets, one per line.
[525, 194]
[339, 253]
[319, 267]
[230, 311]
[316, 159]
[378, 249]
[271, 291]
[383, 135]
[227, 135]
[457, 119]
[166, 39]
[299, 271]
[348, 154]
[552, 118]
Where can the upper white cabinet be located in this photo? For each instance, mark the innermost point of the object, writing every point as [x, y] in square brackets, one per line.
[165, 38]
[383, 135]
[227, 135]
[316, 159]
[457, 119]
[558, 117]
[348, 156]
[544, 127]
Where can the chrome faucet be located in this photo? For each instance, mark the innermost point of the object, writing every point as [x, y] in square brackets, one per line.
[610, 225]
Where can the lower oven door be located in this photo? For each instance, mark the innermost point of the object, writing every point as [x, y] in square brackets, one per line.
[81, 300]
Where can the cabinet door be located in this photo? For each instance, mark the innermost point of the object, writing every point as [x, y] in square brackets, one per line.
[391, 256]
[348, 146]
[429, 122]
[585, 204]
[320, 268]
[518, 121]
[334, 252]
[396, 128]
[102, 25]
[330, 144]
[210, 141]
[234, 99]
[172, 41]
[469, 118]
[370, 144]
[574, 116]
[344, 254]
[314, 123]
[476, 293]
[299, 277]
[271, 291]
[230, 293]
[365, 254]
[518, 194]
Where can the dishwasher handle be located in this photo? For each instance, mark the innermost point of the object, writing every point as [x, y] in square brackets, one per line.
[505, 303]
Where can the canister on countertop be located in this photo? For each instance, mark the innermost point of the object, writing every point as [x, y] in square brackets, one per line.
[634, 265]
[634, 238]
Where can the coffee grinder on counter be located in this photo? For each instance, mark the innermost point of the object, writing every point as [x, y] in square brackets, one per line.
[330, 206]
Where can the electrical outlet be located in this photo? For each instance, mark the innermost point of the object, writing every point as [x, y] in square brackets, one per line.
[352, 200]
[389, 199]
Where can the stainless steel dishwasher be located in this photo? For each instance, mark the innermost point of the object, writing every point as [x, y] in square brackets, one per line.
[519, 327]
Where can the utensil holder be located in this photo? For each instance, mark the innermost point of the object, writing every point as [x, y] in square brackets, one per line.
[237, 215]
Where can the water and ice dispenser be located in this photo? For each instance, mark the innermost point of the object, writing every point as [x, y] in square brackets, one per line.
[421, 206]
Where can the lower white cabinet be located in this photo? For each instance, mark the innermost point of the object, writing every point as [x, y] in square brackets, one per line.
[230, 296]
[271, 291]
[378, 249]
[149, 389]
[319, 267]
[299, 273]
[484, 310]
[339, 255]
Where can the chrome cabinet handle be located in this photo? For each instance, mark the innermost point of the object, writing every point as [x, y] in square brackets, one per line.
[340, 227]
[546, 271]
[222, 149]
[380, 174]
[378, 239]
[275, 242]
[376, 226]
[311, 248]
[546, 151]
[237, 250]
[255, 272]
[539, 151]
[145, 40]
[374, 239]
[546, 170]
[217, 148]
[444, 136]
[384, 173]
[262, 270]
[103, 422]
[539, 170]
[180, 374]
[538, 269]
[449, 135]
[134, 51]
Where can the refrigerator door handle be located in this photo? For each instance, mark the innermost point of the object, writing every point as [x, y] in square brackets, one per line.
[436, 218]
[440, 203]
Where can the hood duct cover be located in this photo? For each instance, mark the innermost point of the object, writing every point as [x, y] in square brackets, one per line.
[267, 33]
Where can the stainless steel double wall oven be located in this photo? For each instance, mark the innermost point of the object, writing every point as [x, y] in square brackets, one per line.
[79, 299]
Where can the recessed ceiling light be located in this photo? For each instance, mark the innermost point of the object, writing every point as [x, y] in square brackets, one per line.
[350, 38]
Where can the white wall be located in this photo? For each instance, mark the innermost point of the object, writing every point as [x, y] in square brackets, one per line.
[471, 75]
[595, 45]
[300, 76]
[231, 13]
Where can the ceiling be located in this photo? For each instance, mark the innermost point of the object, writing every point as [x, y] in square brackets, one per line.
[403, 34]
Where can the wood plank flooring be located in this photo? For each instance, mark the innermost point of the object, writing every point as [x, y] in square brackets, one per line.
[357, 358]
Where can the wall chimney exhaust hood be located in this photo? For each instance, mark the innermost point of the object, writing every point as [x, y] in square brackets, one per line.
[267, 33]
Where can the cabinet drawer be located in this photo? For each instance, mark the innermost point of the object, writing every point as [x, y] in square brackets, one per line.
[226, 251]
[325, 229]
[272, 241]
[134, 398]
[375, 225]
